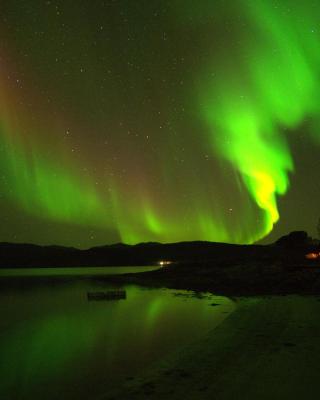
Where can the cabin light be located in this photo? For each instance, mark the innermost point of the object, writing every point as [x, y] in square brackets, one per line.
[163, 263]
[312, 256]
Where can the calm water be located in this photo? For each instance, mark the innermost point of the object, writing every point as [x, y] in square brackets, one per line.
[54, 344]
[72, 271]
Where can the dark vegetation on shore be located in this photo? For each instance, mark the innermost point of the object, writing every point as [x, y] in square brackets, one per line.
[279, 268]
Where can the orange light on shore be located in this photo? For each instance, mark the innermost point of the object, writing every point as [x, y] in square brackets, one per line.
[312, 256]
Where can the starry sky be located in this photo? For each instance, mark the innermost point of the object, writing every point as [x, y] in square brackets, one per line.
[156, 120]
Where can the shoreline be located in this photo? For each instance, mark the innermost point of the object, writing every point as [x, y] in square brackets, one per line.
[269, 347]
[246, 280]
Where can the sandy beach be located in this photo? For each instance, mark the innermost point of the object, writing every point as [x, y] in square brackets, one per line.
[269, 348]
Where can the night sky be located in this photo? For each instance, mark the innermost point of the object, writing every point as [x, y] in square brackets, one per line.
[158, 120]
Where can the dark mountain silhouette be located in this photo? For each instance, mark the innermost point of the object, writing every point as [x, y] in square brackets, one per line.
[290, 248]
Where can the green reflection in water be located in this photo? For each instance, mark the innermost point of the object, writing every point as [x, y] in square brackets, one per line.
[53, 341]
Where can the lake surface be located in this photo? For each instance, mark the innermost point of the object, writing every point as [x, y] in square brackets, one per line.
[55, 344]
[73, 271]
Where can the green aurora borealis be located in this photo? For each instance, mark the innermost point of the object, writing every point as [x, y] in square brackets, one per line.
[158, 120]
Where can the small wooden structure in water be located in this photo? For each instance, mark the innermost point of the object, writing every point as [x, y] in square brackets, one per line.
[109, 295]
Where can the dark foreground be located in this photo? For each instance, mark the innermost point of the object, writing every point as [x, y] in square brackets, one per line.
[269, 348]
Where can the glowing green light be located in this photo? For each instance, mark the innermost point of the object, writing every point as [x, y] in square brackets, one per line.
[215, 169]
[43, 188]
[271, 84]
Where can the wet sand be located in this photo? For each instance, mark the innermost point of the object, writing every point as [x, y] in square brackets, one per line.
[269, 348]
